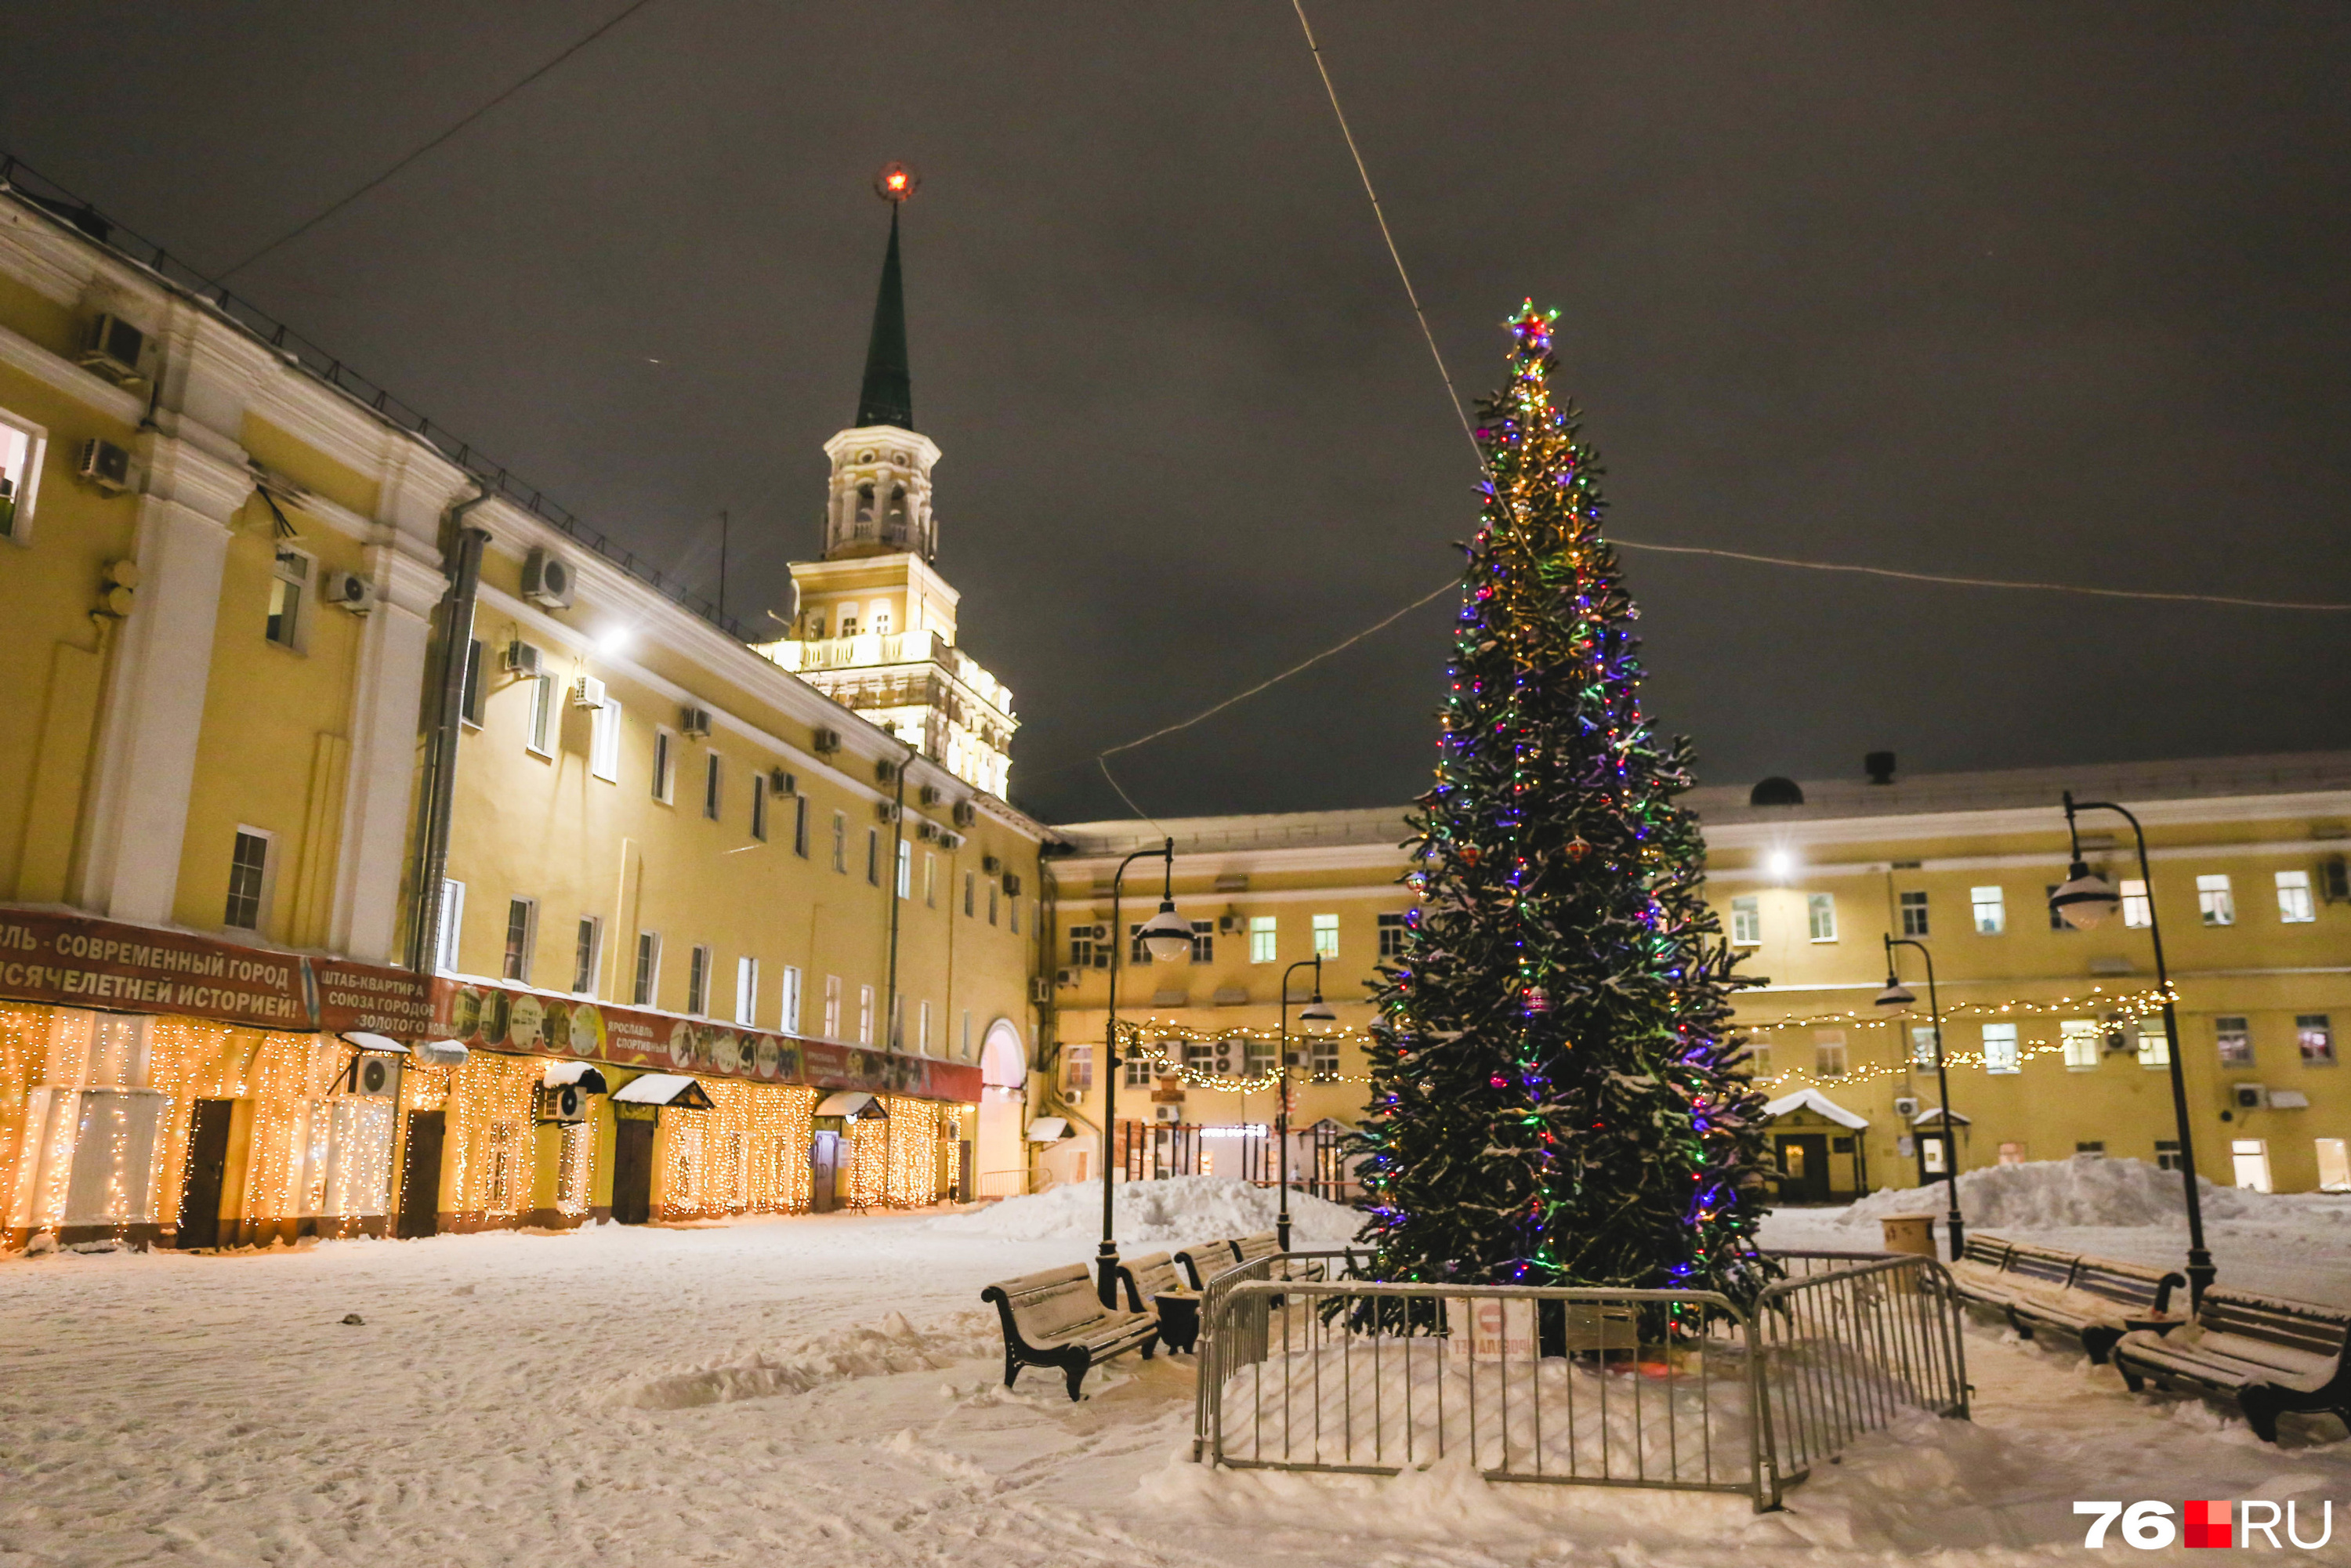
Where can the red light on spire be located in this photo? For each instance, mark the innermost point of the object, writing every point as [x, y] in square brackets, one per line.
[897, 181]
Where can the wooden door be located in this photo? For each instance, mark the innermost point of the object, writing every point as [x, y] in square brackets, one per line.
[633, 1172]
[1803, 1168]
[200, 1197]
[420, 1178]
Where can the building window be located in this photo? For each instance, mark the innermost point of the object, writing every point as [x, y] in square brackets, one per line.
[865, 1015]
[2081, 1039]
[664, 764]
[1991, 906]
[711, 770]
[2235, 1041]
[760, 806]
[289, 584]
[930, 879]
[604, 742]
[1828, 1052]
[2092, 1146]
[841, 842]
[1012, 912]
[2000, 1047]
[1326, 935]
[1758, 1061]
[1200, 1058]
[966, 1034]
[905, 869]
[522, 924]
[2316, 1037]
[2249, 1161]
[1082, 947]
[2056, 919]
[248, 878]
[1746, 921]
[2154, 1045]
[832, 1007]
[1140, 1068]
[469, 697]
[453, 922]
[1391, 936]
[799, 826]
[2011, 1153]
[2214, 901]
[1922, 1045]
[1258, 1057]
[587, 947]
[970, 891]
[20, 468]
[1820, 916]
[1914, 914]
[1261, 938]
[2139, 909]
[747, 991]
[2166, 1153]
[1078, 1064]
[1203, 941]
[697, 980]
[873, 857]
[923, 1029]
[2295, 906]
[992, 891]
[791, 999]
[2334, 1164]
[642, 987]
[540, 737]
[1322, 1058]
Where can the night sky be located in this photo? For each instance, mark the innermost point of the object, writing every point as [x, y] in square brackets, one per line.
[2017, 290]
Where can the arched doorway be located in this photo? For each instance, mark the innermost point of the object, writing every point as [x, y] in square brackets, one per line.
[1002, 1160]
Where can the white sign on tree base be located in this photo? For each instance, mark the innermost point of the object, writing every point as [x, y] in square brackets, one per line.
[1491, 1328]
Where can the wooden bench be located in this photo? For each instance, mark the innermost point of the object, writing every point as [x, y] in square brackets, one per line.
[1055, 1319]
[1204, 1260]
[2095, 1300]
[1264, 1244]
[1155, 1285]
[2271, 1355]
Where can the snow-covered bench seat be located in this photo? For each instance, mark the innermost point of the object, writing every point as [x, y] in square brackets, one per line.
[2095, 1300]
[1266, 1244]
[1204, 1260]
[1148, 1277]
[1055, 1319]
[2272, 1356]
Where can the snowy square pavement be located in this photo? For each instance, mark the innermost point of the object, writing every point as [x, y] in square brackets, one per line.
[828, 1389]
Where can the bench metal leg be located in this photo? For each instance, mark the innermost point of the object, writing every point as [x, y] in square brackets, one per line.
[1076, 1375]
[2131, 1380]
[1011, 1369]
[2262, 1410]
[2100, 1342]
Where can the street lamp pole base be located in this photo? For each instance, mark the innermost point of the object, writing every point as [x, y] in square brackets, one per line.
[2201, 1274]
[1106, 1274]
[1958, 1230]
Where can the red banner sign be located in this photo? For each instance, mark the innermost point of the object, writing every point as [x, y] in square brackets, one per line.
[71, 960]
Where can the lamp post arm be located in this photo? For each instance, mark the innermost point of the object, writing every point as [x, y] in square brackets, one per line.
[1106, 1261]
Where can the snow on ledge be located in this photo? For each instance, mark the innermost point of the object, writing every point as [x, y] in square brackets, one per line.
[1813, 1100]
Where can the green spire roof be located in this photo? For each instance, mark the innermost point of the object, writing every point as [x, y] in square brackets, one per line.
[888, 395]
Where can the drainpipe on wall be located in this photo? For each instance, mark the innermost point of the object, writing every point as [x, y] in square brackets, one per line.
[440, 791]
[892, 1025]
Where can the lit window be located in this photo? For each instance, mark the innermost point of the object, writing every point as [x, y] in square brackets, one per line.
[1914, 914]
[2081, 1039]
[2214, 901]
[586, 948]
[1922, 1044]
[20, 467]
[2011, 1153]
[2154, 1045]
[1077, 1063]
[697, 980]
[1991, 906]
[931, 879]
[248, 867]
[540, 737]
[832, 1007]
[1140, 1069]
[1828, 1052]
[923, 1029]
[603, 741]
[2234, 1041]
[2295, 906]
[664, 752]
[712, 771]
[2000, 1047]
[1261, 936]
[1392, 929]
[746, 990]
[1819, 915]
[522, 921]
[790, 1001]
[1326, 935]
[841, 842]
[2316, 1037]
[2139, 909]
[1746, 921]
[1257, 1057]
[453, 922]
[642, 987]
[1759, 1060]
[1322, 1059]
[905, 869]
[865, 1015]
[289, 582]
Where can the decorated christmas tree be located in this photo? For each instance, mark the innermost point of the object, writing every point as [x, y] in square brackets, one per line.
[1555, 1095]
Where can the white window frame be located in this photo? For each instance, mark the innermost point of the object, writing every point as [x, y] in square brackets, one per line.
[1922, 1045]
[306, 589]
[841, 842]
[1388, 929]
[644, 975]
[453, 924]
[2233, 1029]
[592, 927]
[1077, 1066]
[930, 879]
[262, 898]
[1829, 1051]
[923, 1028]
[1987, 910]
[519, 962]
[664, 775]
[747, 991]
[2002, 1051]
[539, 725]
[1747, 921]
[832, 1007]
[790, 1001]
[2154, 1048]
[2216, 900]
[1820, 916]
[604, 742]
[1912, 905]
[2139, 909]
[966, 1034]
[28, 477]
[697, 980]
[1326, 935]
[2295, 907]
[469, 689]
[2084, 1043]
[905, 869]
[2320, 1027]
[1265, 939]
[865, 1015]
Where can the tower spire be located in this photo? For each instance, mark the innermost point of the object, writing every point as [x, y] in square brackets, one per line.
[887, 396]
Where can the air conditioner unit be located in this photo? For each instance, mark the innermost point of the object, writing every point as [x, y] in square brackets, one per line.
[2334, 880]
[1228, 925]
[2119, 1041]
[1225, 1057]
[349, 589]
[371, 1077]
[522, 658]
[1040, 989]
[2248, 1096]
[1906, 1105]
[1066, 977]
[546, 580]
[886, 772]
[782, 783]
[927, 831]
[932, 794]
[562, 1103]
[1011, 884]
[826, 741]
[1167, 1113]
[886, 810]
[106, 466]
[694, 721]
[587, 692]
[1098, 932]
[118, 351]
[950, 840]
[990, 864]
[965, 814]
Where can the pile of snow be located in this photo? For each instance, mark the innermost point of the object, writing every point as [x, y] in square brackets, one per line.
[894, 1345]
[2047, 1195]
[1178, 1209]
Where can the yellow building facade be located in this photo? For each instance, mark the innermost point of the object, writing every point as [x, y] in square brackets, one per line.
[2053, 1037]
[658, 929]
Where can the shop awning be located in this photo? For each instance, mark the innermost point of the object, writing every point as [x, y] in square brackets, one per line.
[441, 1052]
[1818, 1104]
[664, 1089]
[1049, 1129]
[585, 1074]
[853, 1103]
[379, 1044]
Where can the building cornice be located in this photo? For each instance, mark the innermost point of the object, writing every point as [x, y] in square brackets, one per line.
[119, 405]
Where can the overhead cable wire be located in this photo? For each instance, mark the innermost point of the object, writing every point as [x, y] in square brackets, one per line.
[307, 225]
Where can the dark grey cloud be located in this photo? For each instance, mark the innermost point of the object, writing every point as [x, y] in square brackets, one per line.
[2010, 290]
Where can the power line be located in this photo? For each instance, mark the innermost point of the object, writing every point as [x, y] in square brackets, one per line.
[298, 230]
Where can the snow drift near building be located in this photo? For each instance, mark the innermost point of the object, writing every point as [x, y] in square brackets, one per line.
[2055, 1194]
[1177, 1210]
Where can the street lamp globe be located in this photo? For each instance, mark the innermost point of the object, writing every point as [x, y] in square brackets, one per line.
[2086, 898]
[1895, 994]
[1317, 1018]
[1167, 935]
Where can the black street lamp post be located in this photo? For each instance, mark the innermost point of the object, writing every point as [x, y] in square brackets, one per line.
[1897, 995]
[2086, 898]
[1315, 1019]
[1166, 936]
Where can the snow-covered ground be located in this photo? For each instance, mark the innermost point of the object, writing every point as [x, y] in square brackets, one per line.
[829, 1389]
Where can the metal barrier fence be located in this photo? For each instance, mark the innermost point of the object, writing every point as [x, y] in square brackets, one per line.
[1676, 1389]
